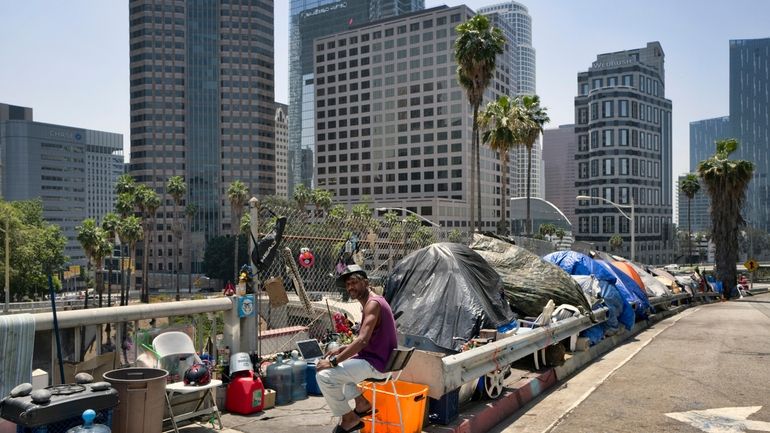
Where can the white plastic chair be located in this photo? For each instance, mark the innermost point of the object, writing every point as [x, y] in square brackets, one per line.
[176, 345]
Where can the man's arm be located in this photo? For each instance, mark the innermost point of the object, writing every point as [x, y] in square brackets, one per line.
[371, 318]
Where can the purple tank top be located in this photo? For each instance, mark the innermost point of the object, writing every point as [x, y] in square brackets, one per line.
[383, 339]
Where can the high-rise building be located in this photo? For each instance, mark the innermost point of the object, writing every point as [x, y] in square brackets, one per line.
[559, 149]
[202, 107]
[394, 125]
[281, 150]
[518, 62]
[750, 120]
[623, 128]
[703, 136]
[311, 19]
[71, 170]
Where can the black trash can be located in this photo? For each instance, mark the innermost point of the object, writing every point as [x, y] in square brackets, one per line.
[142, 394]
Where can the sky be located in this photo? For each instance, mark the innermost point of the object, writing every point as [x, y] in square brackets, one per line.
[68, 60]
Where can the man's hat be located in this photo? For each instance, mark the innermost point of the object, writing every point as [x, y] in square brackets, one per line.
[349, 270]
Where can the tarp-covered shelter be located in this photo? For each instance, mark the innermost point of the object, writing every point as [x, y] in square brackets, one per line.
[575, 263]
[446, 293]
[629, 289]
[529, 281]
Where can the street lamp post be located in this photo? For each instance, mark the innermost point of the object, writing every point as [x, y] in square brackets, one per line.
[384, 209]
[620, 209]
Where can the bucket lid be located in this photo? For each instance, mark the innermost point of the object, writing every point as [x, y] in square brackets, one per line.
[240, 362]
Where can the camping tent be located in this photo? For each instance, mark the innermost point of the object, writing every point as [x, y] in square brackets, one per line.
[446, 293]
[529, 281]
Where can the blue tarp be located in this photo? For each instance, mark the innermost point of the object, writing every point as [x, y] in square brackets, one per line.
[620, 311]
[579, 264]
[628, 288]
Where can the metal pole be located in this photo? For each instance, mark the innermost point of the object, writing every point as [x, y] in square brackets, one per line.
[254, 228]
[7, 265]
[633, 232]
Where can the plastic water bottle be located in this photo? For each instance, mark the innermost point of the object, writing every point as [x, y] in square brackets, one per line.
[88, 424]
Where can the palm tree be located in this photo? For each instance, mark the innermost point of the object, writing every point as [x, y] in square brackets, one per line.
[124, 205]
[148, 202]
[689, 186]
[189, 211]
[536, 118]
[302, 195]
[726, 182]
[96, 246]
[125, 185]
[500, 123]
[130, 232]
[177, 189]
[322, 199]
[476, 49]
[238, 194]
[110, 226]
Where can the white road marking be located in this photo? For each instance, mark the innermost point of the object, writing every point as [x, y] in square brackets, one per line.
[722, 420]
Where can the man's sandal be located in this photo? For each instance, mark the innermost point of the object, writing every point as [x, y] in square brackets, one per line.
[358, 426]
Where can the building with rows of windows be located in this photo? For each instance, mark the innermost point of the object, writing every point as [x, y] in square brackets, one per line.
[202, 107]
[623, 129]
[394, 125]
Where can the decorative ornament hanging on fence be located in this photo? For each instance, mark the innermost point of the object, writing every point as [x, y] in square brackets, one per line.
[306, 257]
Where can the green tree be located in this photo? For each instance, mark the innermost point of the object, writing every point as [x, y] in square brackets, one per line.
[218, 258]
[726, 181]
[322, 199]
[37, 249]
[476, 49]
[190, 211]
[148, 202]
[689, 186]
[616, 241]
[535, 119]
[302, 196]
[110, 225]
[547, 229]
[130, 232]
[94, 241]
[176, 188]
[500, 120]
[238, 195]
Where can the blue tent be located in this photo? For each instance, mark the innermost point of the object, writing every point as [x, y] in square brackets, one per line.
[628, 288]
[576, 263]
[579, 264]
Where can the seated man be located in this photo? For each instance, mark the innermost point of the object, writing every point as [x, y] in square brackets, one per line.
[339, 374]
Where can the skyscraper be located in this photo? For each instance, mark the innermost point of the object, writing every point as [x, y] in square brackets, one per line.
[71, 170]
[623, 127]
[281, 150]
[202, 107]
[311, 19]
[514, 21]
[750, 120]
[393, 123]
[559, 148]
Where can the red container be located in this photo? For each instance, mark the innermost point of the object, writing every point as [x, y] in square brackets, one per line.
[245, 394]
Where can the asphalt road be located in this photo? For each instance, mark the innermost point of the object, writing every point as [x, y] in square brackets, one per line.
[705, 370]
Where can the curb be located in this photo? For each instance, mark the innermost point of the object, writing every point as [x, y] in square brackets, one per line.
[485, 415]
[482, 416]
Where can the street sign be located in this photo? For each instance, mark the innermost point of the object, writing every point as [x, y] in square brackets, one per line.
[751, 265]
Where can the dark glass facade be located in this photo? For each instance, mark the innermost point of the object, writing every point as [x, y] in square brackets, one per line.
[202, 107]
[750, 120]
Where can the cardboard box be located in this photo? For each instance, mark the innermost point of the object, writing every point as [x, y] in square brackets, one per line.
[269, 398]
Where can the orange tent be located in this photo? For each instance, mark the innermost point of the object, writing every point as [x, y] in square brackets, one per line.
[631, 272]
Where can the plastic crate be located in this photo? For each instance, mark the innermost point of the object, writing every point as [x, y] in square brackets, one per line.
[444, 410]
[412, 398]
[103, 416]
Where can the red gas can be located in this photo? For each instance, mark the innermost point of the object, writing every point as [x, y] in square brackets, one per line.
[245, 394]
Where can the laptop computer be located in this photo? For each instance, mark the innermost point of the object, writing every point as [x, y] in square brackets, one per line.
[310, 350]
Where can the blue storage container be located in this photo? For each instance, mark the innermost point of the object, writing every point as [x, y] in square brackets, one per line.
[444, 410]
[312, 383]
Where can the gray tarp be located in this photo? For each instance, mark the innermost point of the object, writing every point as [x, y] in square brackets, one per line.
[529, 281]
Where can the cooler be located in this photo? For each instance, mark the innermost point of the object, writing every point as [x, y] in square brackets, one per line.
[312, 383]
